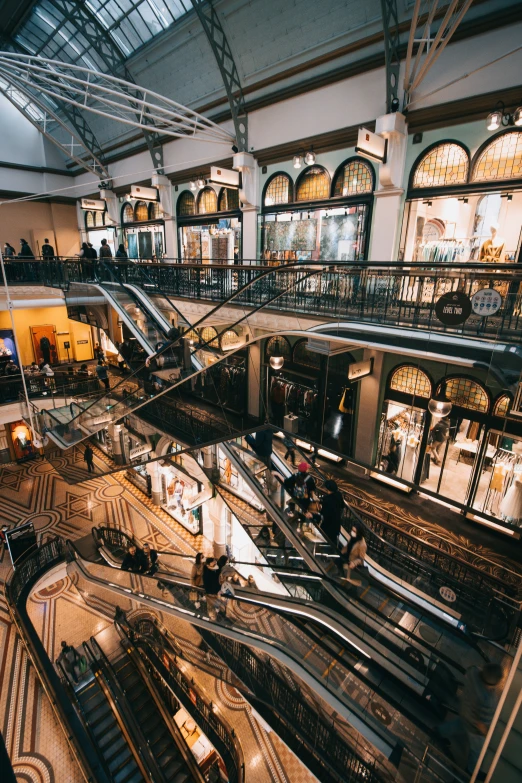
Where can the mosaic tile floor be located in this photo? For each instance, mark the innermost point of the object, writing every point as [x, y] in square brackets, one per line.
[35, 742]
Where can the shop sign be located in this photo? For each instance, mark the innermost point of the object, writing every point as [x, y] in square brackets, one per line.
[371, 145]
[448, 594]
[486, 302]
[226, 177]
[140, 450]
[360, 370]
[453, 308]
[82, 342]
[144, 194]
[95, 204]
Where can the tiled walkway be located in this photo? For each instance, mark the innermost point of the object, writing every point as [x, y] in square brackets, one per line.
[36, 744]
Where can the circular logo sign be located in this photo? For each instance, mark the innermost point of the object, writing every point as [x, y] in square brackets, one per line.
[448, 594]
[486, 302]
[453, 308]
[381, 713]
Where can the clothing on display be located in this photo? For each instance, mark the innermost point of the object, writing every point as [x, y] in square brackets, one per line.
[224, 383]
[292, 397]
[445, 251]
[511, 506]
[493, 248]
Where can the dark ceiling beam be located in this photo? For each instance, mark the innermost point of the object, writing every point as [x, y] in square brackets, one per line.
[476, 107]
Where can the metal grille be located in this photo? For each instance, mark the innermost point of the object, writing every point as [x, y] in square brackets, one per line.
[466, 393]
[411, 380]
[186, 203]
[446, 164]
[356, 177]
[89, 220]
[502, 405]
[128, 214]
[278, 346]
[278, 191]
[141, 211]
[207, 201]
[228, 199]
[154, 210]
[313, 184]
[502, 159]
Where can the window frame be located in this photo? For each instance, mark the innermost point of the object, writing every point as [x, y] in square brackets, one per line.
[206, 189]
[498, 183]
[339, 171]
[291, 190]
[301, 177]
[412, 189]
[178, 203]
[404, 365]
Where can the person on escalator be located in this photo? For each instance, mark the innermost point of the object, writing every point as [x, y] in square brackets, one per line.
[263, 537]
[70, 660]
[150, 560]
[354, 553]
[301, 485]
[133, 560]
[103, 374]
[212, 587]
[121, 252]
[332, 507]
[261, 444]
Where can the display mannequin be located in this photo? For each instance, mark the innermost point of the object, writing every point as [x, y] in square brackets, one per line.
[410, 458]
[492, 248]
[511, 506]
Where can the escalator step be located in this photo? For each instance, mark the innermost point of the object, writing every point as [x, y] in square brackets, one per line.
[119, 760]
[134, 776]
[108, 736]
[124, 772]
[92, 698]
[115, 748]
[181, 777]
[101, 725]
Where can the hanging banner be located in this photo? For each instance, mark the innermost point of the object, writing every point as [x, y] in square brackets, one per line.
[486, 302]
[453, 308]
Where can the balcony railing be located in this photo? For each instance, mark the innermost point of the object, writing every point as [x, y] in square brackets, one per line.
[394, 294]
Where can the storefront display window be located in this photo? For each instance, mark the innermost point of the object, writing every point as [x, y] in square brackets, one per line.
[466, 393]
[127, 213]
[409, 379]
[400, 437]
[499, 489]
[183, 494]
[218, 241]
[22, 441]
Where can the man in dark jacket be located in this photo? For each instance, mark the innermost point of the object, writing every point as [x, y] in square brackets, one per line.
[133, 560]
[150, 558]
[105, 251]
[25, 250]
[212, 586]
[88, 456]
[47, 250]
[332, 506]
[261, 442]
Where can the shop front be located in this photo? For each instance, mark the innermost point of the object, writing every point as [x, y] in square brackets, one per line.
[461, 209]
[316, 218]
[143, 230]
[184, 490]
[471, 458]
[96, 230]
[209, 226]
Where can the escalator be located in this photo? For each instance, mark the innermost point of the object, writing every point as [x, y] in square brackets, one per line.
[387, 711]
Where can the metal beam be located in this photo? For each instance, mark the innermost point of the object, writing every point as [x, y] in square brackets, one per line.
[223, 53]
[390, 23]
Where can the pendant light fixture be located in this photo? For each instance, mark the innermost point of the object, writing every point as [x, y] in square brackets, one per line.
[494, 121]
[298, 161]
[276, 362]
[439, 406]
[193, 185]
[310, 158]
[500, 117]
[200, 182]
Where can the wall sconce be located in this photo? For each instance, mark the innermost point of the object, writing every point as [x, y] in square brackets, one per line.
[427, 204]
[310, 158]
[500, 117]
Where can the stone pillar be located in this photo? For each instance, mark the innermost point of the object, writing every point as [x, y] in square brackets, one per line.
[367, 425]
[113, 207]
[163, 184]
[249, 252]
[217, 514]
[155, 480]
[254, 380]
[208, 457]
[115, 433]
[248, 195]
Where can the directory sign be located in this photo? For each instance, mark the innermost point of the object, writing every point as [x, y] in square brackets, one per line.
[486, 302]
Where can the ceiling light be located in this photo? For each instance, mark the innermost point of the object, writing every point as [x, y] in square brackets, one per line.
[310, 158]
[440, 406]
[200, 182]
[517, 116]
[276, 362]
[494, 120]
[298, 161]
[193, 185]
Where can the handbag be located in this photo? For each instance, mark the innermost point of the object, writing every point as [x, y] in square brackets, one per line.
[342, 405]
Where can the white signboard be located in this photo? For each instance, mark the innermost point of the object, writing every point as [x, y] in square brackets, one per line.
[224, 176]
[139, 451]
[360, 370]
[371, 145]
[144, 194]
[448, 594]
[95, 204]
[486, 302]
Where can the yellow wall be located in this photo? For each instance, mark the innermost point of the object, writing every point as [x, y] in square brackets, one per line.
[35, 221]
[66, 331]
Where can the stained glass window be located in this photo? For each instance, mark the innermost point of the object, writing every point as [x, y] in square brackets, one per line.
[209, 335]
[154, 210]
[229, 339]
[303, 356]
[192, 335]
[278, 346]
[502, 159]
[279, 190]
[186, 203]
[228, 199]
[89, 219]
[466, 393]
[445, 164]
[99, 219]
[502, 405]
[355, 177]
[410, 380]
[141, 211]
[313, 184]
[207, 201]
[127, 214]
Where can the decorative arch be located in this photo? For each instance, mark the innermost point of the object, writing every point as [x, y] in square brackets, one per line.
[352, 177]
[209, 335]
[502, 405]
[313, 184]
[141, 211]
[444, 163]
[229, 340]
[186, 204]
[409, 379]
[465, 392]
[99, 219]
[279, 189]
[500, 158]
[127, 213]
[89, 220]
[301, 355]
[228, 199]
[207, 201]
[155, 212]
[278, 346]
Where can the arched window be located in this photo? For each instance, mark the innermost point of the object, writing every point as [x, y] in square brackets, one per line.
[501, 159]
[353, 177]
[313, 184]
[192, 335]
[278, 190]
[99, 219]
[278, 346]
[89, 220]
[154, 210]
[141, 211]
[186, 203]
[229, 340]
[301, 355]
[502, 405]
[127, 213]
[466, 393]
[408, 379]
[228, 199]
[209, 335]
[445, 164]
[207, 201]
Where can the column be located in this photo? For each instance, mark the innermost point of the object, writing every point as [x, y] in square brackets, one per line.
[249, 197]
[254, 380]
[368, 410]
[164, 186]
[249, 236]
[115, 433]
[155, 480]
[217, 515]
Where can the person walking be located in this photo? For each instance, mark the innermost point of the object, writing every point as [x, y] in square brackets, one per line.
[289, 444]
[47, 250]
[438, 437]
[84, 252]
[332, 507]
[212, 587]
[91, 252]
[354, 553]
[105, 251]
[88, 456]
[133, 560]
[25, 250]
[121, 252]
[70, 660]
[103, 374]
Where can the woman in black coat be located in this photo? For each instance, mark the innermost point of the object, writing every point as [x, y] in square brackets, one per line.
[332, 506]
